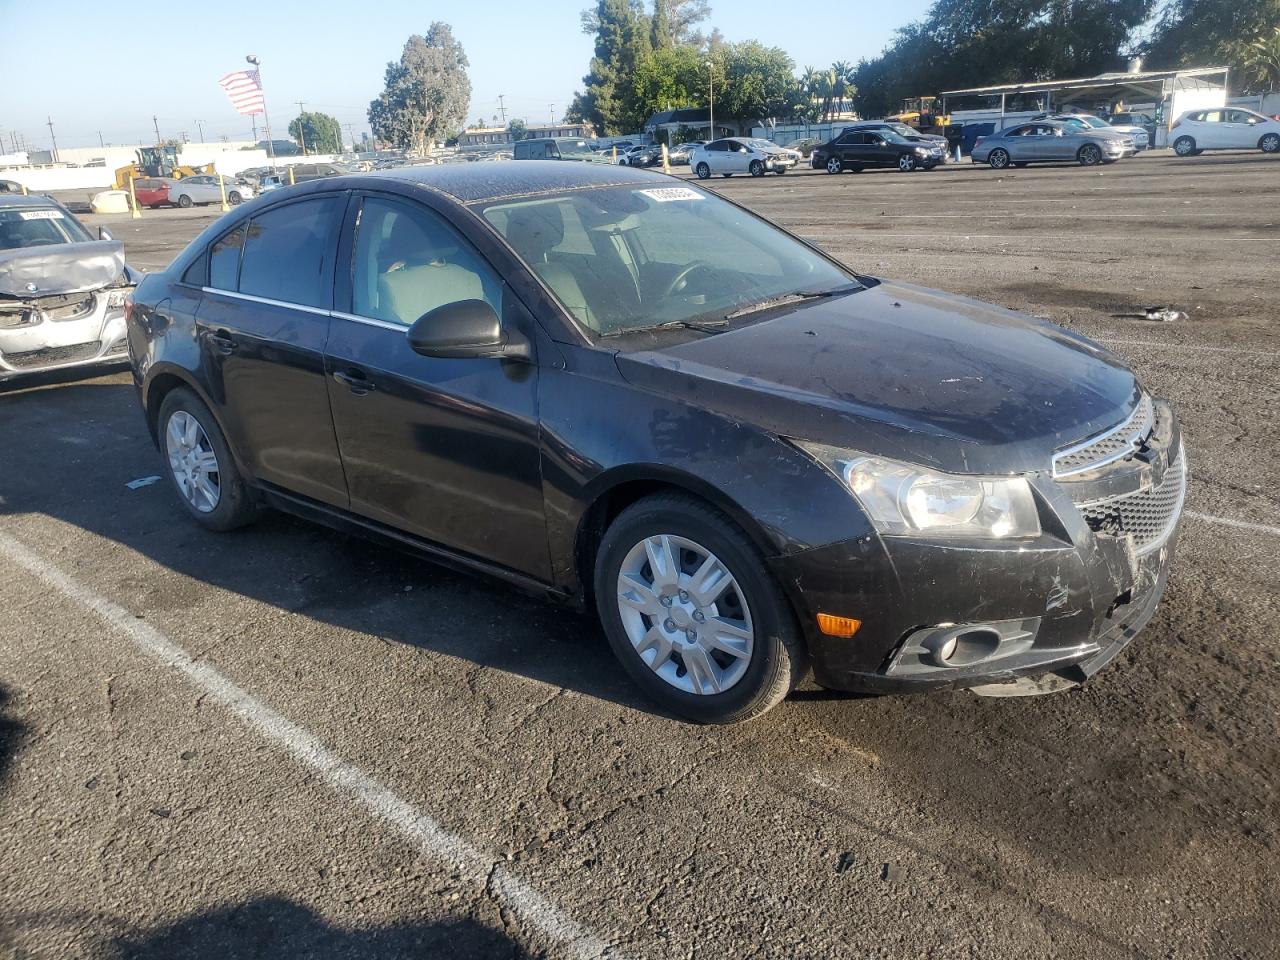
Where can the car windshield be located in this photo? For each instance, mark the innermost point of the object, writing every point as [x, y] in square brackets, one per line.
[38, 227]
[891, 136]
[902, 129]
[761, 144]
[1094, 122]
[627, 258]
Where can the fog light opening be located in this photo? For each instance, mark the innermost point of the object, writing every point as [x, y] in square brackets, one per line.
[963, 646]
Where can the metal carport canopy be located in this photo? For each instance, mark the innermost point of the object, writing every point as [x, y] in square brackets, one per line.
[1145, 81]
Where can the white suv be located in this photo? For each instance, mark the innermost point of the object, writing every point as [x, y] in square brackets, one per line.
[1225, 128]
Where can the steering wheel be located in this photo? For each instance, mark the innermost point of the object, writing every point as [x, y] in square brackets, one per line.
[680, 281]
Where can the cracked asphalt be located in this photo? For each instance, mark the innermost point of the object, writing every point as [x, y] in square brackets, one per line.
[142, 816]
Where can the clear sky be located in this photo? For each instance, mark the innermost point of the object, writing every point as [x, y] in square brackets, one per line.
[92, 74]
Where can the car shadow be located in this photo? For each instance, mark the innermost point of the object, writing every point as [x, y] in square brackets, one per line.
[94, 443]
[276, 928]
[12, 733]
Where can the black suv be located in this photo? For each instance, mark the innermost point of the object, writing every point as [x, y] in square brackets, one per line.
[858, 148]
[627, 393]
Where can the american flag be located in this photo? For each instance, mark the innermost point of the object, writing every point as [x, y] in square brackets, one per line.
[245, 90]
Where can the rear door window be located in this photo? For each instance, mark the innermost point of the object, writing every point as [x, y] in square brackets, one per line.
[288, 253]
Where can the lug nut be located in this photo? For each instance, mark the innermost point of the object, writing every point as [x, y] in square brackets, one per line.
[692, 635]
[699, 616]
[669, 626]
[684, 596]
[665, 600]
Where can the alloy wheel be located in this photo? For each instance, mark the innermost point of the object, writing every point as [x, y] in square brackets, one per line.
[685, 614]
[834, 165]
[1184, 146]
[703, 171]
[998, 159]
[906, 163]
[1271, 143]
[1090, 155]
[193, 462]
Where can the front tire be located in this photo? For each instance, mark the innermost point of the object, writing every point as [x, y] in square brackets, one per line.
[906, 163]
[234, 198]
[201, 469]
[999, 159]
[835, 165]
[1270, 143]
[756, 169]
[1185, 146]
[184, 201]
[703, 171]
[1089, 155]
[693, 614]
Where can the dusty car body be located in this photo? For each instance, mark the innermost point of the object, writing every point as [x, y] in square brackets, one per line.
[624, 392]
[62, 293]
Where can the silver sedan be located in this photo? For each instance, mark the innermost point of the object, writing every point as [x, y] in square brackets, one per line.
[1048, 140]
[204, 189]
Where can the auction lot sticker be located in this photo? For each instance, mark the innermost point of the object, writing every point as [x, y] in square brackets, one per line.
[671, 194]
[40, 214]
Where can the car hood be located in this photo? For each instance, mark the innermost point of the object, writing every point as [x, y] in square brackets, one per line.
[903, 372]
[64, 268]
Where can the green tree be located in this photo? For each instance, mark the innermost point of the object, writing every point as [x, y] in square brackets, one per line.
[1262, 63]
[965, 43]
[753, 82]
[661, 33]
[517, 128]
[622, 40]
[319, 131]
[427, 91]
[1205, 33]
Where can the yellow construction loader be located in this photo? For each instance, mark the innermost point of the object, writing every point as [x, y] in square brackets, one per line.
[157, 162]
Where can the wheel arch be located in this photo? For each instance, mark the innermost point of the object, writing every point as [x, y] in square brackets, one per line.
[161, 381]
[615, 490]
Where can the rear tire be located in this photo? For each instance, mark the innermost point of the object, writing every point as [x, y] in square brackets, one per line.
[235, 505]
[703, 171]
[1270, 143]
[776, 659]
[1185, 146]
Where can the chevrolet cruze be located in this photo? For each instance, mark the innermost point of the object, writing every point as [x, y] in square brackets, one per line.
[625, 392]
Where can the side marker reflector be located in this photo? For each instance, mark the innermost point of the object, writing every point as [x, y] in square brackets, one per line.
[834, 626]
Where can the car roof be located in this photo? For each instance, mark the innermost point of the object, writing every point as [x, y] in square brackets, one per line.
[32, 200]
[480, 182]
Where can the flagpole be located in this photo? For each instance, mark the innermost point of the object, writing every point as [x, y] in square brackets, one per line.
[271, 151]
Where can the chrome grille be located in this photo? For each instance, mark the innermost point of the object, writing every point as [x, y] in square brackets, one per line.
[1108, 447]
[1149, 515]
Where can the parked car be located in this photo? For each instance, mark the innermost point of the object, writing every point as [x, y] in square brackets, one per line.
[10, 186]
[805, 147]
[204, 188]
[741, 155]
[1049, 140]
[1146, 121]
[1087, 120]
[152, 191]
[62, 290]
[1227, 128]
[637, 396]
[644, 155]
[302, 172]
[555, 148]
[859, 149]
[906, 131]
[681, 152]
[269, 181]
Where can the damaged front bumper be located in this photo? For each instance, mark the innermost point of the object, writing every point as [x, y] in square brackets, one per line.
[1002, 619]
[62, 330]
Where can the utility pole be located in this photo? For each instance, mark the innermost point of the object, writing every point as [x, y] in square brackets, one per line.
[502, 107]
[100, 143]
[352, 136]
[552, 108]
[53, 139]
[200, 127]
[301, 132]
[711, 111]
[156, 123]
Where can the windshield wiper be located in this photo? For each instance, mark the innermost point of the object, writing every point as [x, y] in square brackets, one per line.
[798, 297]
[702, 326]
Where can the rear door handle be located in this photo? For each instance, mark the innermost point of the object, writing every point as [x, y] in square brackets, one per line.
[359, 384]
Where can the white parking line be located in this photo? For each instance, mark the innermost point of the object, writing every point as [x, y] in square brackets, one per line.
[422, 831]
[1238, 524]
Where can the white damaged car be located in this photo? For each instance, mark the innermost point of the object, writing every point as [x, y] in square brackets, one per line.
[741, 155]
[62, 292]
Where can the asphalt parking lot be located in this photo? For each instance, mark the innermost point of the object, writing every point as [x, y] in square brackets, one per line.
[284, 742]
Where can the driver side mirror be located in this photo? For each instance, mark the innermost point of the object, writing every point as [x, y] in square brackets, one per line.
[104, 234]
[464, 329]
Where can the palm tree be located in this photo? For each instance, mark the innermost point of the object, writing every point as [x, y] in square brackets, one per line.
[1262, 62]
[841, 69]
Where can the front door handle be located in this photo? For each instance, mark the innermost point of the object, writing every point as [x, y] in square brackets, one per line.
[222, 342]
[359, 384]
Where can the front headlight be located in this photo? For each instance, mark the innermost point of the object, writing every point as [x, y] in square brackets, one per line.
[905, 500]
[923, 151]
